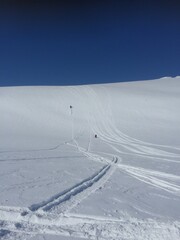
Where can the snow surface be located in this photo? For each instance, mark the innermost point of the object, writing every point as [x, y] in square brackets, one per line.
[57, 181]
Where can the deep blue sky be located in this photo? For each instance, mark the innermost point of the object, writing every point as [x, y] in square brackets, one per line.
[80, 42]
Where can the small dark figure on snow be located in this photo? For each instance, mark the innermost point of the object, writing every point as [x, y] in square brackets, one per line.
[71, 109]
[95, 135]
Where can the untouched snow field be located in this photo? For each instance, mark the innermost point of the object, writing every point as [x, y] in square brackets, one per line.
[57, 181]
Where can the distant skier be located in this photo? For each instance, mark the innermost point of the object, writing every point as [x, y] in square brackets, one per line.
[71, 108]
[95, 135]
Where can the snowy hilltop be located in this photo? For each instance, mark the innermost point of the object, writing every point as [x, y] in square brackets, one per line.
[91, 162]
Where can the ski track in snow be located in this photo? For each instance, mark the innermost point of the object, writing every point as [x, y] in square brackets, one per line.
[68, 198]
[112, 136]
[108, 132]
[86, 186]
[22, 223]
[69, 193]
[52, 216]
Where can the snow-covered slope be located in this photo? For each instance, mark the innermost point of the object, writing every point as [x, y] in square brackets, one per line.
[56, 178]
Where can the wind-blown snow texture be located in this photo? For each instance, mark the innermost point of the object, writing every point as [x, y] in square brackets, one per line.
[57, 181]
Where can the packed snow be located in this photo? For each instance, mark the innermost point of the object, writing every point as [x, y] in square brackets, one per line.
[91, 162]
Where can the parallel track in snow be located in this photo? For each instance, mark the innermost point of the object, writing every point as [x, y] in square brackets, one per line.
[52, 216]
[71, 192]
[108, 132]
[122, 144]
[28, 221]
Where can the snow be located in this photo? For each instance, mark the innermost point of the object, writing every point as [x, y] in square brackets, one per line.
[57, 181]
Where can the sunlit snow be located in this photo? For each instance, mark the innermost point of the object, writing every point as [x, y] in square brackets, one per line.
[60, 181]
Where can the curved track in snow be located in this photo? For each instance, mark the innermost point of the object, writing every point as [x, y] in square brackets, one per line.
[53, 216]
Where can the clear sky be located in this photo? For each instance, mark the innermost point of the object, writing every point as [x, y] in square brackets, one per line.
[81, 42]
